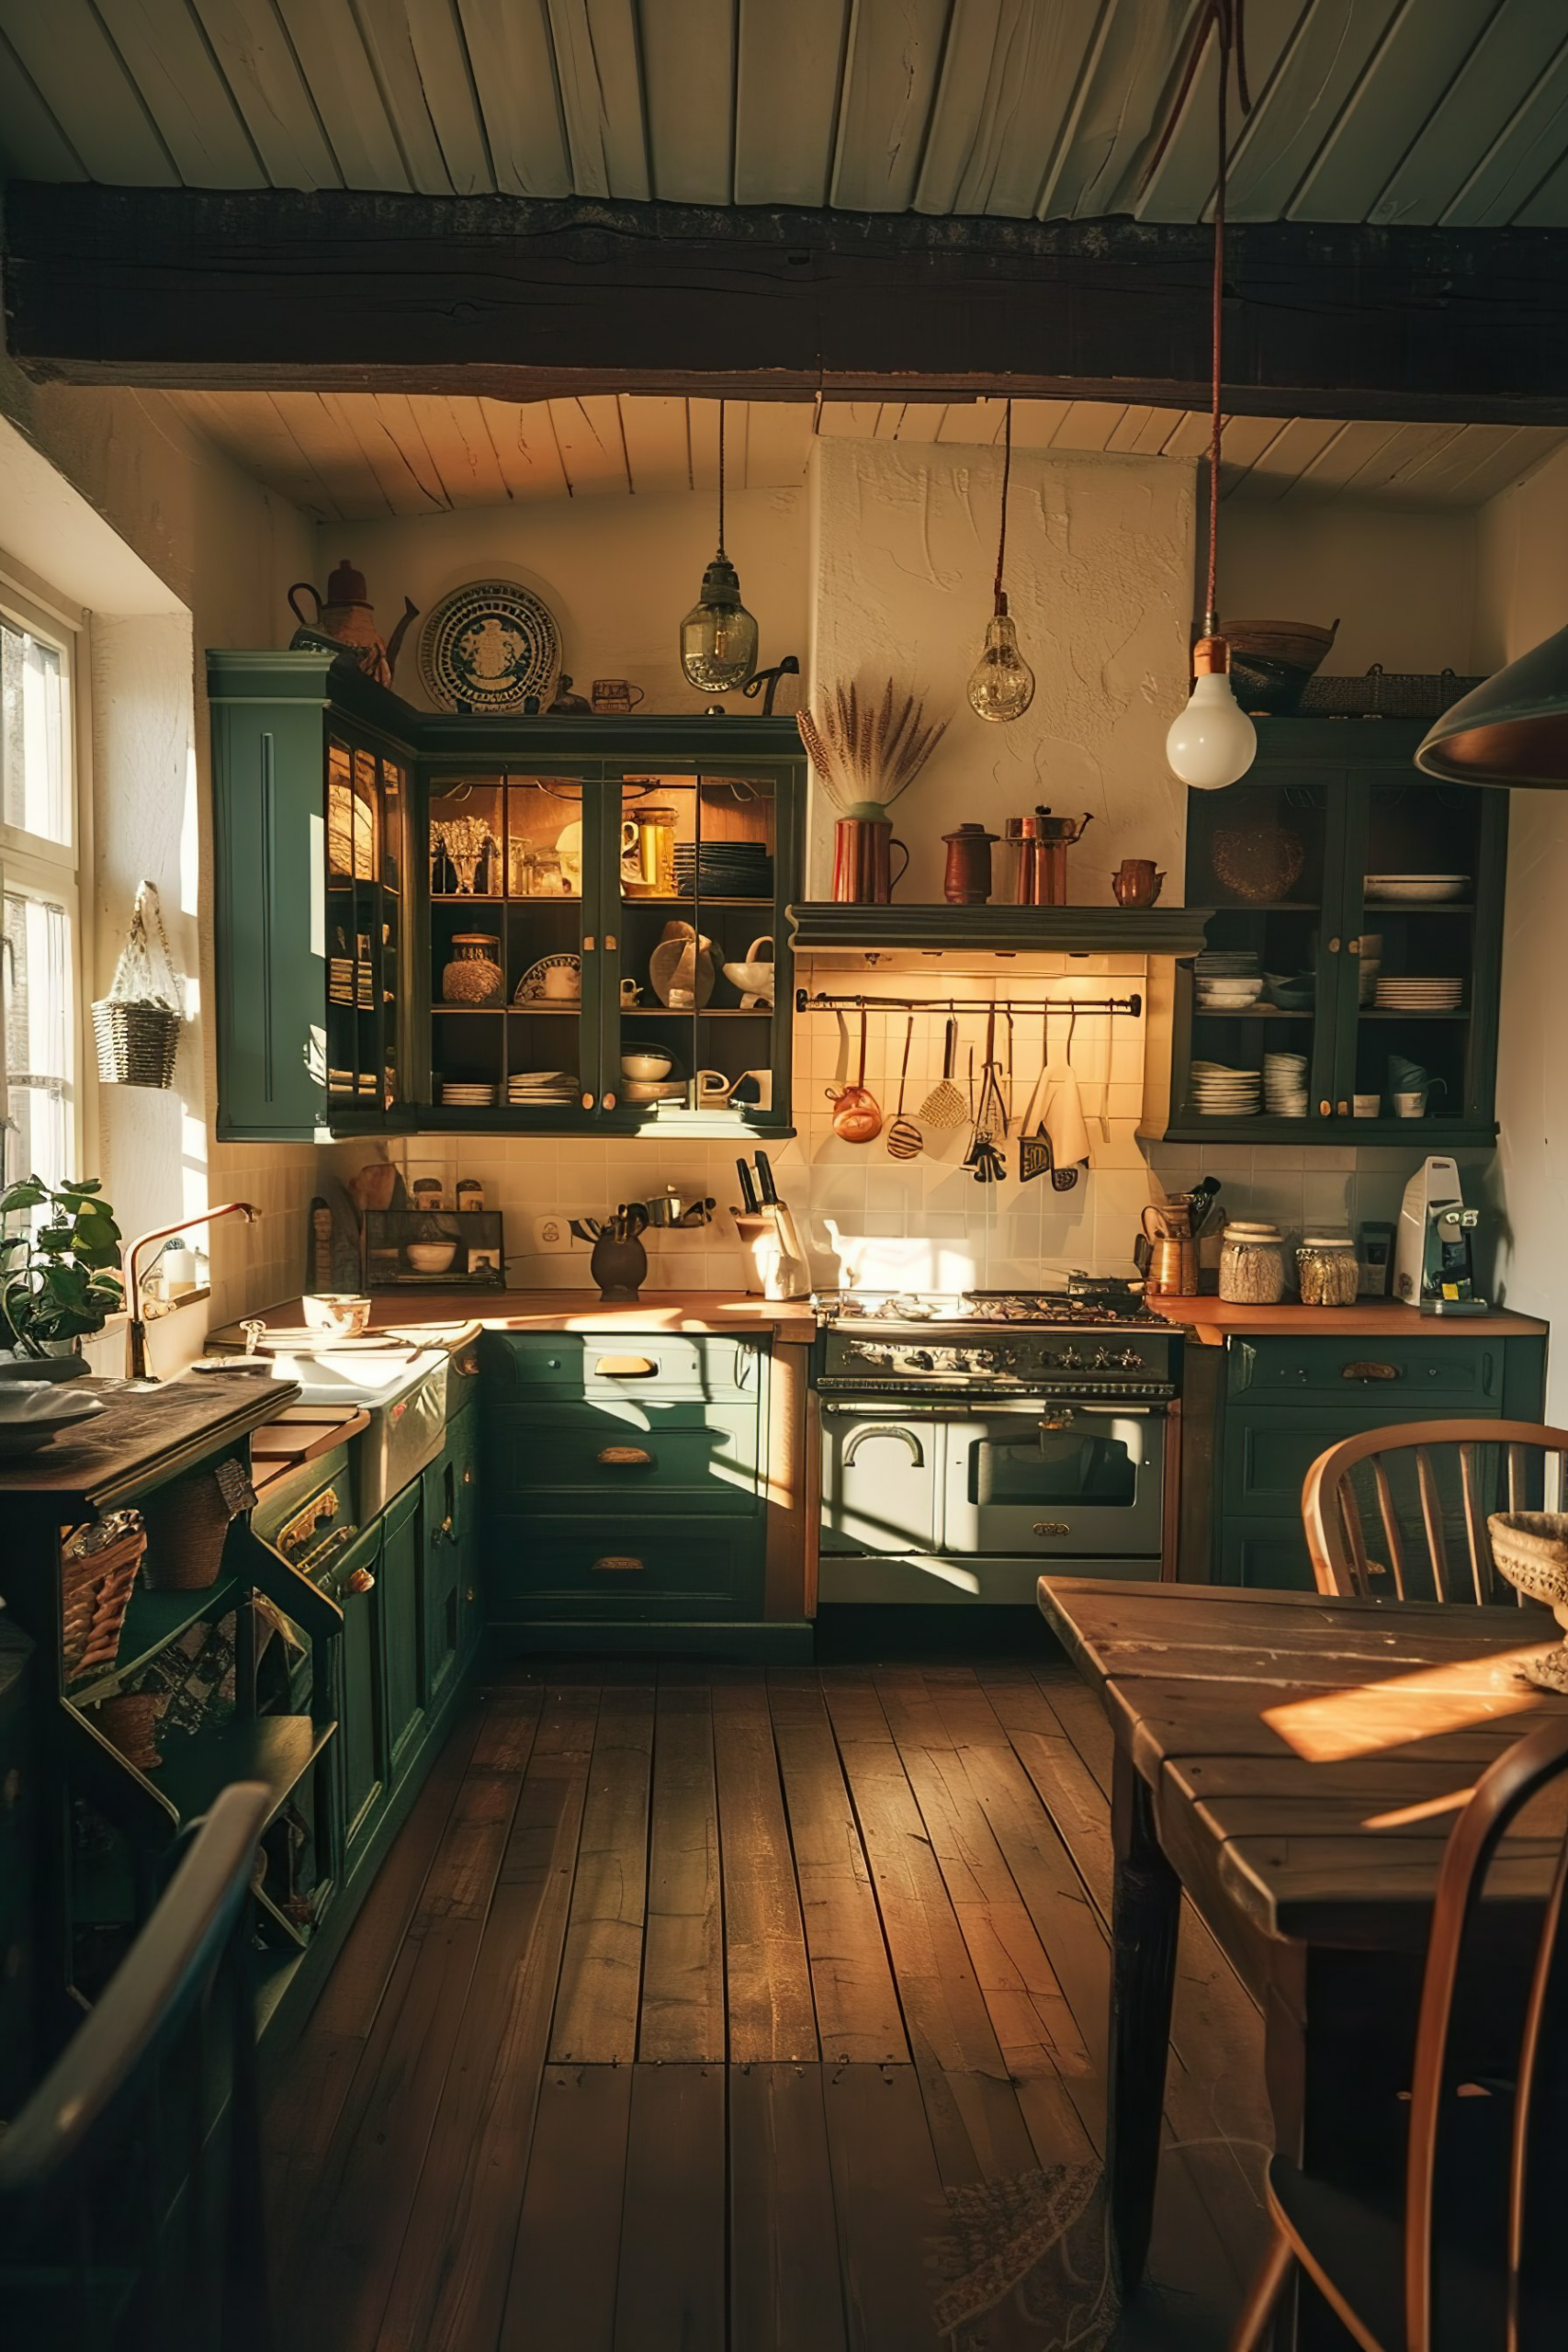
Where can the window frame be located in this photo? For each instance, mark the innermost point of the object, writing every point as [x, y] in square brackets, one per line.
[33, 866]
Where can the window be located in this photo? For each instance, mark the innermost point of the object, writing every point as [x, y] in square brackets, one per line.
[41, 933]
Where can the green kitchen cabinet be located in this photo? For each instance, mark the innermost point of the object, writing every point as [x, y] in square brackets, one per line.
[1285, 858]
[401, 1583]
[450, 1526]
[363, 1763]
[434, 921]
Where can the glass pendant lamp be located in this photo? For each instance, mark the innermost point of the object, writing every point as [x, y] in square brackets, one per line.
[719, 636]
[1211, 741]
[1001, 684]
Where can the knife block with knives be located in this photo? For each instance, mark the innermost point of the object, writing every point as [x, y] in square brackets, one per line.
[775, 1256]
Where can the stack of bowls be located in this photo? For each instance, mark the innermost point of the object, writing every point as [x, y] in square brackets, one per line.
[1221, 1092]
[1227, 992]
[1285, 1085]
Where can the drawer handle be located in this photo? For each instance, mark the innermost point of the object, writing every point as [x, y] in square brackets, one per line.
[359, 1580]
[624, 1457]
[1370, 1371]
[625, 1368]
[619, 1562]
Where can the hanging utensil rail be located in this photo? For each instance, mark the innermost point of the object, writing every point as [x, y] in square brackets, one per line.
[1131, 1006]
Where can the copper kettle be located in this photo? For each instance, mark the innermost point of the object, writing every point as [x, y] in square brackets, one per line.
[346, 614]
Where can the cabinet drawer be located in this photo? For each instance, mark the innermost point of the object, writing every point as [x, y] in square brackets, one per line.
[1376, 1380]
[555, 1567]
[567, 1364]
[1268, 1453]
[614, 1459]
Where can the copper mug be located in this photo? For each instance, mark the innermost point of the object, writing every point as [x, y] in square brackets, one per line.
[1173, 1250]
[862, 875]
[1137, 882]
[967, 880]
[614, 694]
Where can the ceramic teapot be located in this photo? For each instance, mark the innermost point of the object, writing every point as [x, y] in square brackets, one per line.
[346, 614]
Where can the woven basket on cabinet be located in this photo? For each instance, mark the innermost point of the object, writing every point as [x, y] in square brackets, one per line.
[137, 1025]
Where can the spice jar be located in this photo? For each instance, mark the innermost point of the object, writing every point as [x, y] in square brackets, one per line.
[1252, 1265]
[474, 975]
[1327, 1270]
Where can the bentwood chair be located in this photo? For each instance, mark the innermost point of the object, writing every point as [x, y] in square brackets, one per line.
[1432, 1485]
[1471, 2260]
[130, 2182]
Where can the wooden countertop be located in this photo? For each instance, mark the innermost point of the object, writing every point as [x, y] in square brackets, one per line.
[1209, 1322]
[446, 1319]
[143, 1437]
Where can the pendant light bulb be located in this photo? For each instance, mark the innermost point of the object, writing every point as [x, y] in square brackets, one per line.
[719, 636]
[1001, 684]
[1211, 741]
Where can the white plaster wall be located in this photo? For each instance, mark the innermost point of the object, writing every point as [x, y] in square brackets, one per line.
[1100, 573]
[619, 575]
[170, 547]
[1522, 596]
[1401, 584]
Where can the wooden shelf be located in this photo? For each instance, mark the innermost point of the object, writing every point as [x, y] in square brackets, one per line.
[708, 1012]
[1009, 931]
[277, 1749]
[152, 1621]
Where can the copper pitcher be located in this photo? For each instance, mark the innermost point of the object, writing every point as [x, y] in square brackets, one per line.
[1137, 882]
[1173, 1249]
[346, 614]
[863, 860]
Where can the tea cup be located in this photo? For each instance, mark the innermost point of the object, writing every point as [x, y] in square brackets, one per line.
[1412, 1105]
[338, 1314]
[562, 983]
[1366, 1106]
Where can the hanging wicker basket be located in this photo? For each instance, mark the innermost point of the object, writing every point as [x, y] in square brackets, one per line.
[137, 1025]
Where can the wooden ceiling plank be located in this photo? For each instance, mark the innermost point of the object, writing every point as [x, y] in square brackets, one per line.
[1125, 89]
[778, 443]
[326, 434]
[252, 432]
[596, 44]
[1317, 78]
[1340, 461]
[1547, 207]
[392, 448]
[849, 419]
[1182, 186]
[1504, 66]
[419, 426]
[924, 420]
[1513, 461]
[979, 423]
[78, 73]
[256, 57]
[461, 450]
[32, 144]
[889, 416]
[1189, 433]
[1128, 427]
[688, 78]
[1527, 151]
[1388, 469]
[890, 79]
[1088, 424]
[514, 77]
[1286, 458]
[525, 448]
[1010, 74]
[593, 452]
[1426, 50]
[1246, 440]
[702, 442]
[658, 442]
[345, 93]
[183, 92]
[786, 99]
[387, 31]
[447, 80]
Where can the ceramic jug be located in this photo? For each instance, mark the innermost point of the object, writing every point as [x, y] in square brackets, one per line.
[346, 614]
[1137, 882]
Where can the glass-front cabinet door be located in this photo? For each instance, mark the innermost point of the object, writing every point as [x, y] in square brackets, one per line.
[366, 805]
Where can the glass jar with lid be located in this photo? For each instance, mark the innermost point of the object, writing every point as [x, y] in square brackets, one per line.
[1252, 1265]
[1327, 1270]
[474, 975]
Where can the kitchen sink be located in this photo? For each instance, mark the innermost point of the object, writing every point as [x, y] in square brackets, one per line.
[404, 1391]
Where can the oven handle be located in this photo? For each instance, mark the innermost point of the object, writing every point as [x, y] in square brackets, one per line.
[863, 1437]
[957, 1408]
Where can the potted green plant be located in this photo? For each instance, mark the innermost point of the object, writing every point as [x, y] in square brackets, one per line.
[59, 1276]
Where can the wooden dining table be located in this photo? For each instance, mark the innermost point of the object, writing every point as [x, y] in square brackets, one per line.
[1295, 1763]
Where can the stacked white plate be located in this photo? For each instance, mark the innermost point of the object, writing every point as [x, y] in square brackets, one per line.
[1285, 1085]
[536, 1089]
[1227, 995]
[1221, 1092]
[1414, 995]
[1415, 889]
[458, 1095]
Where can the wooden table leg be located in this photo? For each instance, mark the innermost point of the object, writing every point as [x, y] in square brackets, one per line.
[1145, 1914]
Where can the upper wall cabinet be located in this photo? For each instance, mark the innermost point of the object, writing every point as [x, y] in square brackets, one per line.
[1355, 953]
[534, 925]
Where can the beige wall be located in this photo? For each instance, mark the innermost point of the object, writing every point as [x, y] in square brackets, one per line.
[1401, 585]
[169, 547]
[1522, 596]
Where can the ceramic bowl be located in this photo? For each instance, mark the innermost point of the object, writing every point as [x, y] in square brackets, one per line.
[751, 979]
[646, 1066]
[431, 1257]
[341, 1314]
[653, 1089]
[34, 1411]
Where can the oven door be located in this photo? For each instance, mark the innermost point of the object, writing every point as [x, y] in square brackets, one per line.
[882, 1471]
[1045, 1478]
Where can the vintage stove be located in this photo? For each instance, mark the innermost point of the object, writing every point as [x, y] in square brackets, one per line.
[973, 1441]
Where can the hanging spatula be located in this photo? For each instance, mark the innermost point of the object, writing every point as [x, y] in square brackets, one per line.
[944, 1106]
[905, 1140]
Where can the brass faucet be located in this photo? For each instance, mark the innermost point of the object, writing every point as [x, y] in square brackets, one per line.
[139, 1367]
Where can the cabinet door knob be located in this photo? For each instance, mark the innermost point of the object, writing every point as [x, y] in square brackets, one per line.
[467, 1477]
[608, 1103]
[589, 944]
[359, 1580]
[617, 1562]
[1323, 1109]
[1334, 946]
[1343, 1109]
[588, 1102]
[611, 942]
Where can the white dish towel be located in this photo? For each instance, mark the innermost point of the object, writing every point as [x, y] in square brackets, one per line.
[1061, 1117]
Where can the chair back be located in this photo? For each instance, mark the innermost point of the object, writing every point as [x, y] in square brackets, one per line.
[1461, 1981]
[1400, 1514]
[130, 2182]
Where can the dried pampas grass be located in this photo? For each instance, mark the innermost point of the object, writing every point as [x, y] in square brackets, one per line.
[868, 754]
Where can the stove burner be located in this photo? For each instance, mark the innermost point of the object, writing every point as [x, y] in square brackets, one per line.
[1119, 1303]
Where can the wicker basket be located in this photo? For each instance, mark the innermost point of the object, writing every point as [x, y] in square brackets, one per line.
[137, 1025]
[188, 1522]
[1530, 1548]
[96, 1588]
[1384, 694]
[128, 1721]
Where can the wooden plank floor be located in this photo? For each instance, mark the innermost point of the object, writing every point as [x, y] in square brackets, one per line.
[703, 2009]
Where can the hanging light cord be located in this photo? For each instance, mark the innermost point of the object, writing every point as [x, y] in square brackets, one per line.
[1002, 535]
[721, 477]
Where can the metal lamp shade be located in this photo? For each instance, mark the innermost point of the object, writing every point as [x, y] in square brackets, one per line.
[1512, 728]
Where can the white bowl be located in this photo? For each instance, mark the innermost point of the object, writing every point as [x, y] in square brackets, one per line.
[342, 1314]
[751, 979]
[34, 1411]
[431, 1257]
[646, 1066]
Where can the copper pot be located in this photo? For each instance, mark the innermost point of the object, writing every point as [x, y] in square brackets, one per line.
[862, 875]
[967, 880]
[1137, 882]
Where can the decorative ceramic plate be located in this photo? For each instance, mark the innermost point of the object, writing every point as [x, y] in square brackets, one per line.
[530, 988]
[488, 646]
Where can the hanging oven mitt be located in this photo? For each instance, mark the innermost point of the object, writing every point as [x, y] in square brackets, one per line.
[1061, 1143]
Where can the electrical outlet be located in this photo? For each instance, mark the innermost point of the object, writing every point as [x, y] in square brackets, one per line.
[553, 1237]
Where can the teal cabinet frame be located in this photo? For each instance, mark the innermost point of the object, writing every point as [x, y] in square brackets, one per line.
[1339, 785]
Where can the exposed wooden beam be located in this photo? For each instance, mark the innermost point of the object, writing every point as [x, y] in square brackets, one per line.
[525, 299]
